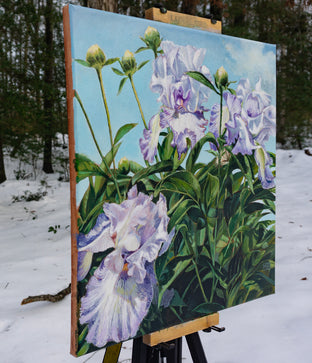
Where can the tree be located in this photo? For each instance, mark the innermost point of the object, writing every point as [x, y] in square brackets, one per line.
[48, 97]
[32, 76]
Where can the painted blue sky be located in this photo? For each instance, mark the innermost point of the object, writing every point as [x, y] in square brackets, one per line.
[117, 33]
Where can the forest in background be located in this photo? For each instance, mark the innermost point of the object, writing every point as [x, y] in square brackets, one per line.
[32, 68]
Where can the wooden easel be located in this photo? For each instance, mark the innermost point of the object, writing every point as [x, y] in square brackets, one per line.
[167, 343]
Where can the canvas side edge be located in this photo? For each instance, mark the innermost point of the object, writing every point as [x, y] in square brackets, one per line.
[74, 227]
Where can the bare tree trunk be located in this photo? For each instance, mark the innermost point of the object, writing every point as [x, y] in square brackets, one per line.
[189, 6]
[216, 8]
[48, 93]
[2, 170]
[107, 5]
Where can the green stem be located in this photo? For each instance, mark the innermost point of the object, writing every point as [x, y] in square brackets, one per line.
[176, 314]
[91, 130]
[199, 281]
[96, 143]
[138, 102]
[99, 74]
[191, 251]
[221, 111]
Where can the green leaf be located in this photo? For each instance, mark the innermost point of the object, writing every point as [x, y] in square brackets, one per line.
[111, 61]
[89, 222]
[177, 300]
[248, 173]
[83, 334]
[86, 167]
[202, 79]
[142, 64]
[166, 150]
[123, 131]
[83, 62]
[179, 212]
[207, 308]
[117, 71]
[83, 350]
[182, 182]
[253, 207]
[165, 165]
[178, 161]
[194, 154]
[178, 269]
[121, 84]
[141, 49]
[135, 167]
[100, 182]
[232, 91]
[212, 187]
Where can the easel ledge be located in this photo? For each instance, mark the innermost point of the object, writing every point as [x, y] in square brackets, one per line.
[180, 330]
[189, 21]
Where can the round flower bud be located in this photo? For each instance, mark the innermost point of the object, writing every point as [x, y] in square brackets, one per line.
[96, 57]
[221, 77]
[151, 36]
[128, 61]
[124, 165]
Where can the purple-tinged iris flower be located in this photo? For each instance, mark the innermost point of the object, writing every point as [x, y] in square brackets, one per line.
[248, 119]
[182, 98]
[120, 292]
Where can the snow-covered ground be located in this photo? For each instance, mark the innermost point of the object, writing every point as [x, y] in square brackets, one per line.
[274, 329]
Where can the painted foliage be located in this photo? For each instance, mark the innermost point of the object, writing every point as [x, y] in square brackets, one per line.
[174, 133]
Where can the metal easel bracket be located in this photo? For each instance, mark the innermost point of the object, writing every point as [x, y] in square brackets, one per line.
[215, 328]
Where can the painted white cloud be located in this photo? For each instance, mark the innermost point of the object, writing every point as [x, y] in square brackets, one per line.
[250, 61]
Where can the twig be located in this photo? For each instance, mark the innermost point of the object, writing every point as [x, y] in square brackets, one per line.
[48, 297]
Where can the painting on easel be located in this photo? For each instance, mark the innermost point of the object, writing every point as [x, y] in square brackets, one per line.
[172, 137]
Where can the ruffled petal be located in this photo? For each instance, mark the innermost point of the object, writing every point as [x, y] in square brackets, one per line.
[264, 161]
[185, 125]
[169, 79]
[98, 239]
[84, 264]
[149, 142]
[243, 88]
[115, 305]
[244, 143]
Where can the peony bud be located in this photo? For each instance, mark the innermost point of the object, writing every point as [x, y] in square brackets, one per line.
[221, 77]
[151, 36]
[124, 165]
[96, 57]
[128, 62]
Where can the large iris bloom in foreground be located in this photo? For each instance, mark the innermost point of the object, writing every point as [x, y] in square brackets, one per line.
[248, 120]
[182, 98]
[120, 292]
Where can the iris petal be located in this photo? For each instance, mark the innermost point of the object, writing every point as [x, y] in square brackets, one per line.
[119, 294]
[114, 305]
[149, 142]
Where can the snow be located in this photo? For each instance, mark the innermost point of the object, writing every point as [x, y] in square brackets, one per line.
[33, 261]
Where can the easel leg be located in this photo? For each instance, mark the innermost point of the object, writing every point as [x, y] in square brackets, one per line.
[142, 353]
[196, 348]
[174, 355]
[139, 351]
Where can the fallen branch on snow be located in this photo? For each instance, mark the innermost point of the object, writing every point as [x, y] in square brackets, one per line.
[48, 297]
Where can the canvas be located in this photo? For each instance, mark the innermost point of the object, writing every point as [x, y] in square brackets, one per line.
[172, 139]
